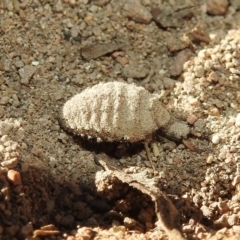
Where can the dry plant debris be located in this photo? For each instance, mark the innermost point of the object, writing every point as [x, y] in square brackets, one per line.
[117, 111]
[167, 215]
[46, 231]
[99, 49]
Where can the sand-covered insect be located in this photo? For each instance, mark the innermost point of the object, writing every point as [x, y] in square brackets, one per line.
[117, 111]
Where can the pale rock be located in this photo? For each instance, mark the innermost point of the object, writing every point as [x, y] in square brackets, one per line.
[237, 121]
[137, 12]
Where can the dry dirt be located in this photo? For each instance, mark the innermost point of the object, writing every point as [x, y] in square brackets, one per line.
[54, 185]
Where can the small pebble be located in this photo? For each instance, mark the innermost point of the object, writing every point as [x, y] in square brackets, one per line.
[193, 101]
[188, 229]
[237, 122]
[197, 35]
[11, 163]
[213, 76]
[35, 63]
[178, 61]
[58, 6]
[137, 12]
[5, 128]
[168, 83]
[199, 71]
[217, 7]
[14, 177]
[236, 180]
[214, 111]
[209, 159]
[215, 138]
[122, 60]
[26, 73]
[192, 119]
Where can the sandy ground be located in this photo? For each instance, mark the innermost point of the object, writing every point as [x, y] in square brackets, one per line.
[52, 185]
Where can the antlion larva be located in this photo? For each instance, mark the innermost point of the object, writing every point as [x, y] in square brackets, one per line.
[117, 111]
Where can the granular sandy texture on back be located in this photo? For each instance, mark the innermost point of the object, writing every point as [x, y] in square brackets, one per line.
[114, 111]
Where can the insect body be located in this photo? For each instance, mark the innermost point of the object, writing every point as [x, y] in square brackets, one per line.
[117, 111]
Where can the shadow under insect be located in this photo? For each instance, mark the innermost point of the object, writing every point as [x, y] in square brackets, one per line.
[112, 149]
